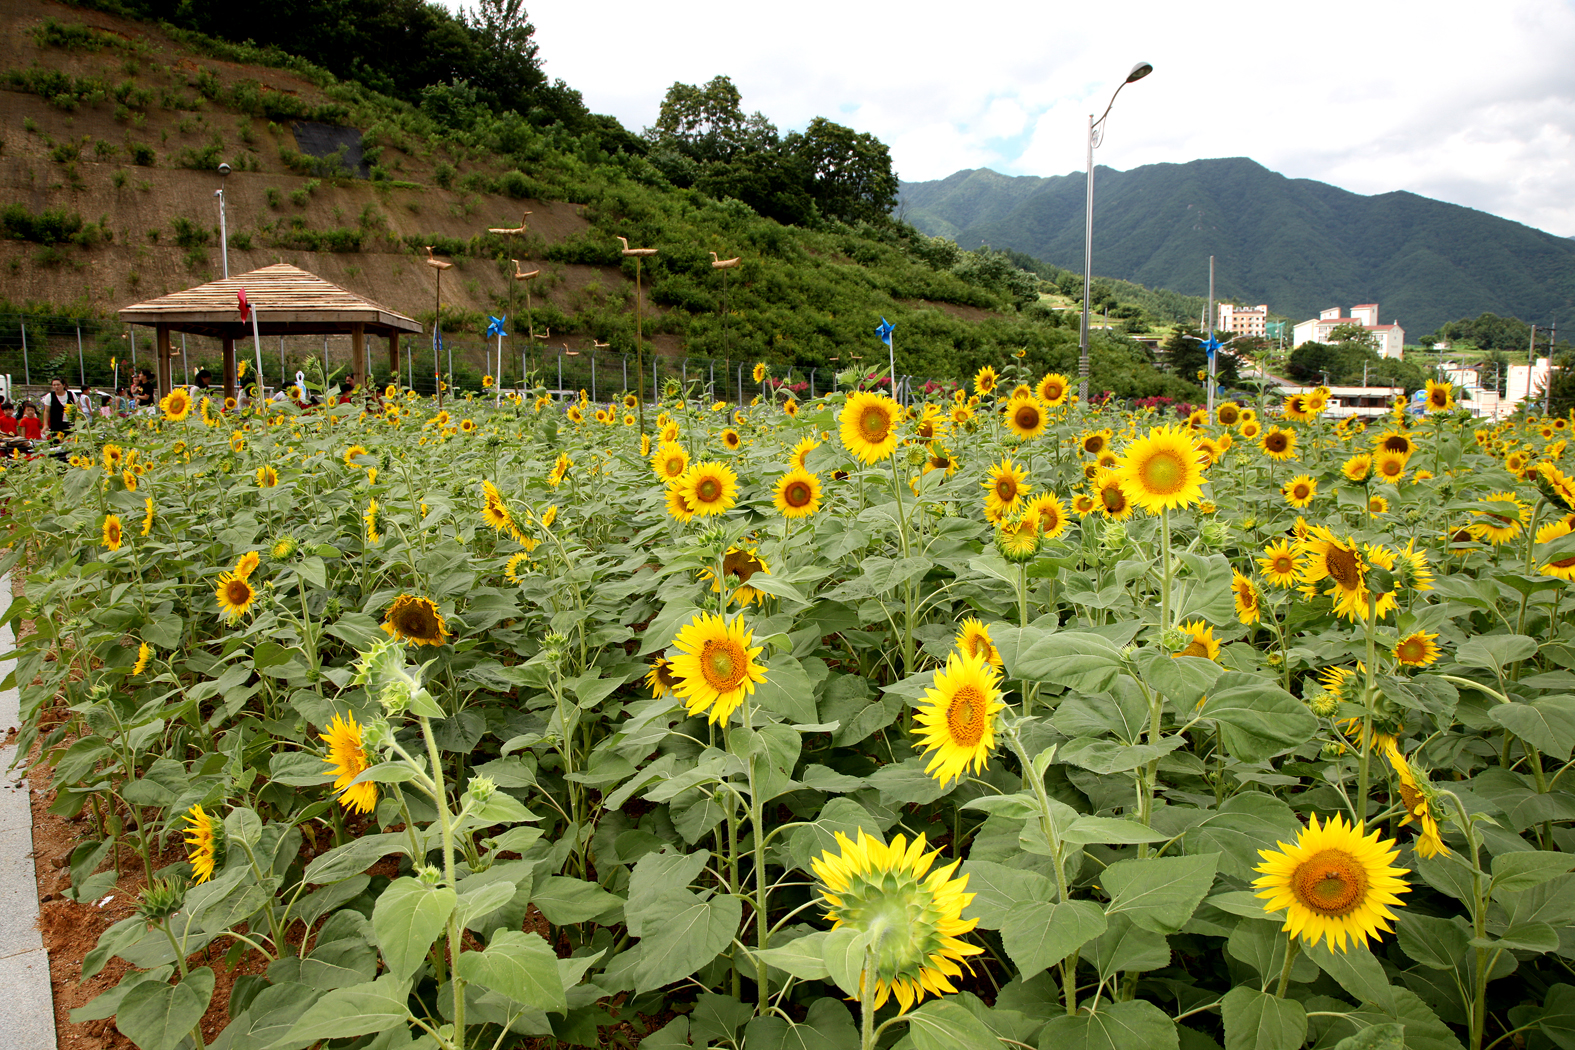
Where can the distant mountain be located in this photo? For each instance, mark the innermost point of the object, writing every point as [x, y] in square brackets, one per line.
[1295, 244]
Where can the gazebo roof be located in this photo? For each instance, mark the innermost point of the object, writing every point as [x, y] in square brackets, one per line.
[286, 299]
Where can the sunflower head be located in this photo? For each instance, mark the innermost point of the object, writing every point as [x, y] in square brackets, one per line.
[111, 532]
[1163, 471]
[1279, 443]
[1052, 390]
[1336, 883]
[1417, 649]
[660, 677]
[973, 639]
[235, 595]
[912, 916]
[740, 564]
[956, 720]
[1245, 594]
[415, 620]
[347, 759]
[204, 842]
[1017, 537]
[716, 665]
[709, 488]
[797, 494]
[1440, 396]
[1197, 639]
[869, 426]
[984, 381]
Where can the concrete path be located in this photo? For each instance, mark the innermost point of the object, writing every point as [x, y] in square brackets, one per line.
[27, 1008]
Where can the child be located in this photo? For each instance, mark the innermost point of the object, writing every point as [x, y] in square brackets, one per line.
[31, 426]
[7, 420]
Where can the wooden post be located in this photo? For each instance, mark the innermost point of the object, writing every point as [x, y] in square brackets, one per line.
[229, 366]
[393, 353]
[358, 357]
[163, 367]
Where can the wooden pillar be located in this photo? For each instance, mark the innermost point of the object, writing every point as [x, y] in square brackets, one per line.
[393, 354]
[163, 367]
[229, 366]
[358, 358]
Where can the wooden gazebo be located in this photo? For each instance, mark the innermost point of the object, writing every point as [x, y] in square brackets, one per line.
[287, 301]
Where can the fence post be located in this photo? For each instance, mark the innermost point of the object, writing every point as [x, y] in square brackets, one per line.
[740, 384]
[560, 373]
[625, 371]
[81, 367]
[593, 375]
[656, 395]
[27, 372]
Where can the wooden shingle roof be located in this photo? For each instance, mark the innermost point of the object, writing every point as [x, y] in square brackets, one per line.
[288, 301]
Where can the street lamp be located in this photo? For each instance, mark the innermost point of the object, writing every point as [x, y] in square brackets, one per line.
[1096, 135]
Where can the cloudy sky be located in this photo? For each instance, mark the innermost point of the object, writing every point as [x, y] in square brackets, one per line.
[1469, 103]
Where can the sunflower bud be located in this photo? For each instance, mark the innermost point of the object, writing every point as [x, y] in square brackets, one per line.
[160, 899]
[1332, 750]
[332, 608]
[1249, 523]
[376, 735]
[1018, 541]
[429, 876]
[1113, 536]
[1324, 705]
[1213, 534]
[1276, 659]
[1174, 640]
[916, 456]
[481, 789]
[284, 548]
[395, 697]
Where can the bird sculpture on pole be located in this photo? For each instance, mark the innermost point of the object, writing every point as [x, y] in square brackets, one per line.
[530, 326]
[725, 265]
[518, 230]
[437, 321]
[639, 329]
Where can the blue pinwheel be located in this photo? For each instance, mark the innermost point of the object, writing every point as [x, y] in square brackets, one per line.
[496, 327]
[1211, 345]
[883, 331]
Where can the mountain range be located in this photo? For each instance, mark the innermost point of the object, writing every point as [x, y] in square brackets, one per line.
[1297, 245]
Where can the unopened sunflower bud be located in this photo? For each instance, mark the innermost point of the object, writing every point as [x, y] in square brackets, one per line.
[376, 734]
[1174, 640]
[160, 899]
[916, 456]
[395, 697]
[333, 607]
[1213, 534]
[1324, 705]
[1249, 523]
[481, 790]
[1276, 659]
[1332, 751]
[429, 876]
[1113, 536]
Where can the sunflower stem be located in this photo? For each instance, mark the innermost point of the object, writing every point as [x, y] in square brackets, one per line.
[1164, 593]
[867, 1000]
[1367, 707]
[907, 588]
[1292, 947]
[454, 932]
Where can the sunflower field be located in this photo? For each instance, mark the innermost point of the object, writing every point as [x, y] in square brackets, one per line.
[995, 721]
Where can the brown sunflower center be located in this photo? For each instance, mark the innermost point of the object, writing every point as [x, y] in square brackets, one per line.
[1093, 444]
[1300, 491]
[416, 620]
[965, 716]
[1438, 398]
[926, 429]
[1248, 596]
[1228, 415]
[1342, 566]
[1410, 796]
[1564, 563]
[1412, 650]
[1049, 519]
[722, 662]
[1006, 488]
[237, 592]
[1053, 390]
[1026, 417]
[797, 494]
[1275, 442]
[709, 490]
[1113, 498]
[741, 564]
[1331, 882]
[874, 424]
[1396, 443]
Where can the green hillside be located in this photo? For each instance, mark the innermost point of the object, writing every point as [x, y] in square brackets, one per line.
[1296, 244]
[115, 125]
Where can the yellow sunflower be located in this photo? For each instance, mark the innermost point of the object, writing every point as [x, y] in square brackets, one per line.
[732, 439]
[110, 532]
[415, 620]
[869, 426]
[1025, 417]
[1358, 467]
[1006, 486]
[347, 759]
[202, 836]
[144, 654]
[1329, 557]
[1562, 568]
[1245, 593]
[1227, 414]
[1112, 497]
[1396, 441]
[1295, 408]
[1084, 504]
[1250, 428]
[1421, 805]
[1279, 443]
[1280, 564]
[514, 571]
[1502, 524]
[1299, 491]
[670, 461]
[1162, 471]
[743, 564]
[1440, 396]
[973, 639]
[939, 457]
[678, 504]
[267, 477]
[984, 381]
[352, 452]
[1052, 390]
[1377, 504]
[759, 372]
[884, 890]
[247, 564]
[176, 404]
[797, 494]
[709, 488]
[374, 520]
[1050, 512]
[1336, 884]
[956, 721]
[1389, 467]
[1203, 643]
[660, 677]
[715, 666]
[1094, 441]
[235, 595]
[1417, 649]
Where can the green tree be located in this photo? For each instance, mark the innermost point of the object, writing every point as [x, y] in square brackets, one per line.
[850, 171]
[1185, 356]
[708, 124]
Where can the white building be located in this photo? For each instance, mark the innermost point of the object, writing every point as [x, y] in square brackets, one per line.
[1389, 337]
[1368, 402]
[1524, 381]
[1243, 320]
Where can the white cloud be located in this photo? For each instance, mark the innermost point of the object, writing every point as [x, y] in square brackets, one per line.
[1468, 103]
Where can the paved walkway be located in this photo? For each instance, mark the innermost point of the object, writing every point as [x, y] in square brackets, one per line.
[27, 1006]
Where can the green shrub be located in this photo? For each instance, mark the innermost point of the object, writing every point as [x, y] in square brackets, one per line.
[205, 159]
[51, 226]
[141, 153]
[188, 234]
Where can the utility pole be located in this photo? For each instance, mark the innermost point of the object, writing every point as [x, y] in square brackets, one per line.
[1547, 385]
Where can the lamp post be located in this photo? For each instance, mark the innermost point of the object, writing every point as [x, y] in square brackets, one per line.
[1095, 137]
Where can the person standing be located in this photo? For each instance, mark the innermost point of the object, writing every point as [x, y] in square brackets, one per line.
[55, 404]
